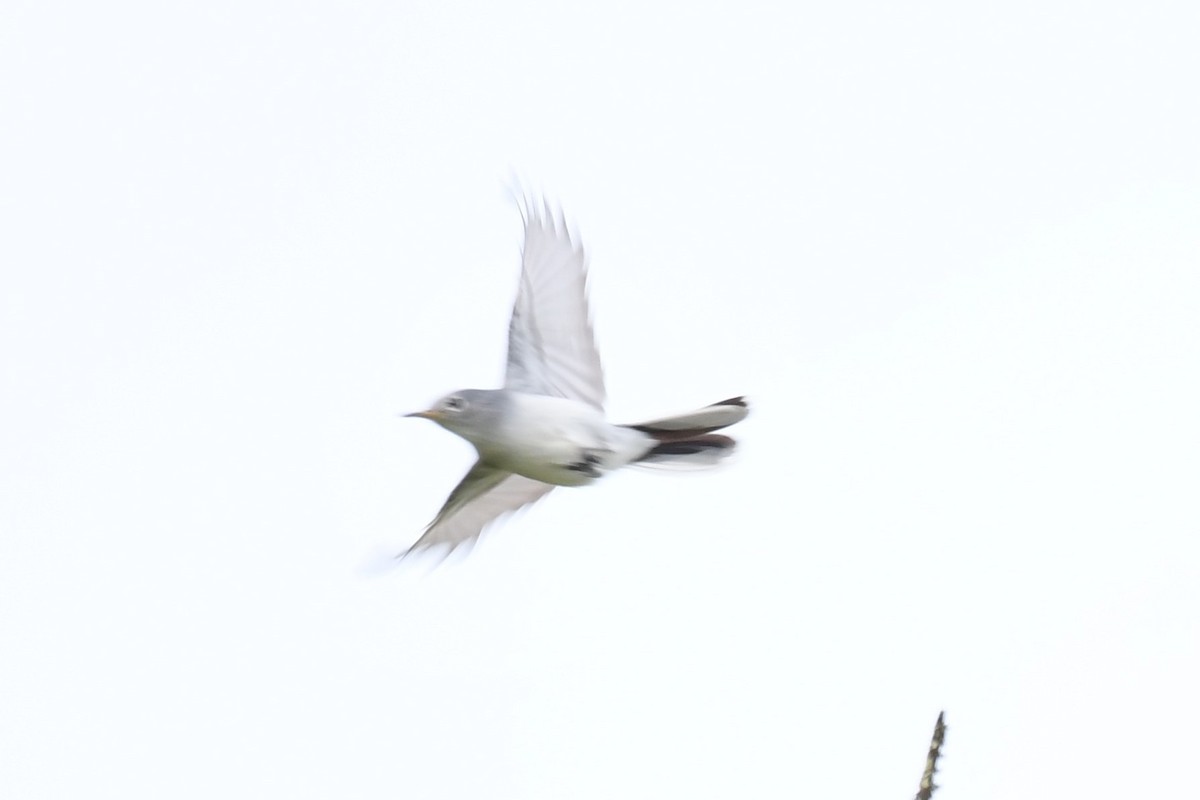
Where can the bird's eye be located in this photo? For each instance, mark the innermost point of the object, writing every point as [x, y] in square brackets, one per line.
[455, 403]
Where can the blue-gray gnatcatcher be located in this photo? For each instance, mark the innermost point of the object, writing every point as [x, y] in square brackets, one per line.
[546, 427]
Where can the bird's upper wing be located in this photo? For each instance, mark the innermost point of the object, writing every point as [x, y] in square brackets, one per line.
[483, 495]
[551, 349]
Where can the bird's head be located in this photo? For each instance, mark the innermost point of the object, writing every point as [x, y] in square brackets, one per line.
[460, 412]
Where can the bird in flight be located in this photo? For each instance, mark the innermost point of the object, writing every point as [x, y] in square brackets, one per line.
[546, 427]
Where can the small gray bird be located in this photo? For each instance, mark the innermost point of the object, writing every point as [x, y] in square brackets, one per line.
[546, 427]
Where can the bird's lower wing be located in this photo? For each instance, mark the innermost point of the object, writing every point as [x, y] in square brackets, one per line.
[483, 495]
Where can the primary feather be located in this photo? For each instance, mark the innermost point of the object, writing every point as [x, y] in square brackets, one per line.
[551, 347]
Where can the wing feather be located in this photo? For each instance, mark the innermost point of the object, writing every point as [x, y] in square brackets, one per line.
[482, 496]
[551, 347]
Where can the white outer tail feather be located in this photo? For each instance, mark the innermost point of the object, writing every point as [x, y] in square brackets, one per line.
[710, 418]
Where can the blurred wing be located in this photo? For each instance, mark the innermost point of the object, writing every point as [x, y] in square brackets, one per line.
[551, 349]
[483, 495]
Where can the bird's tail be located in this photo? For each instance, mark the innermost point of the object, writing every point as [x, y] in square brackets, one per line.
[687, 440]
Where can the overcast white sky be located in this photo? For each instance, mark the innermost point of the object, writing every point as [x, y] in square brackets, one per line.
[950, 252]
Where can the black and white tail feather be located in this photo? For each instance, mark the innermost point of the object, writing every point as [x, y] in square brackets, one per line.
[688, 441]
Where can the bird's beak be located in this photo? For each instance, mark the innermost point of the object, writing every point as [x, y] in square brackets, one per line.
[432, 414]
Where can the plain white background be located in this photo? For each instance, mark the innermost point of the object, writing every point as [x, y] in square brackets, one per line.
[950, 252]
